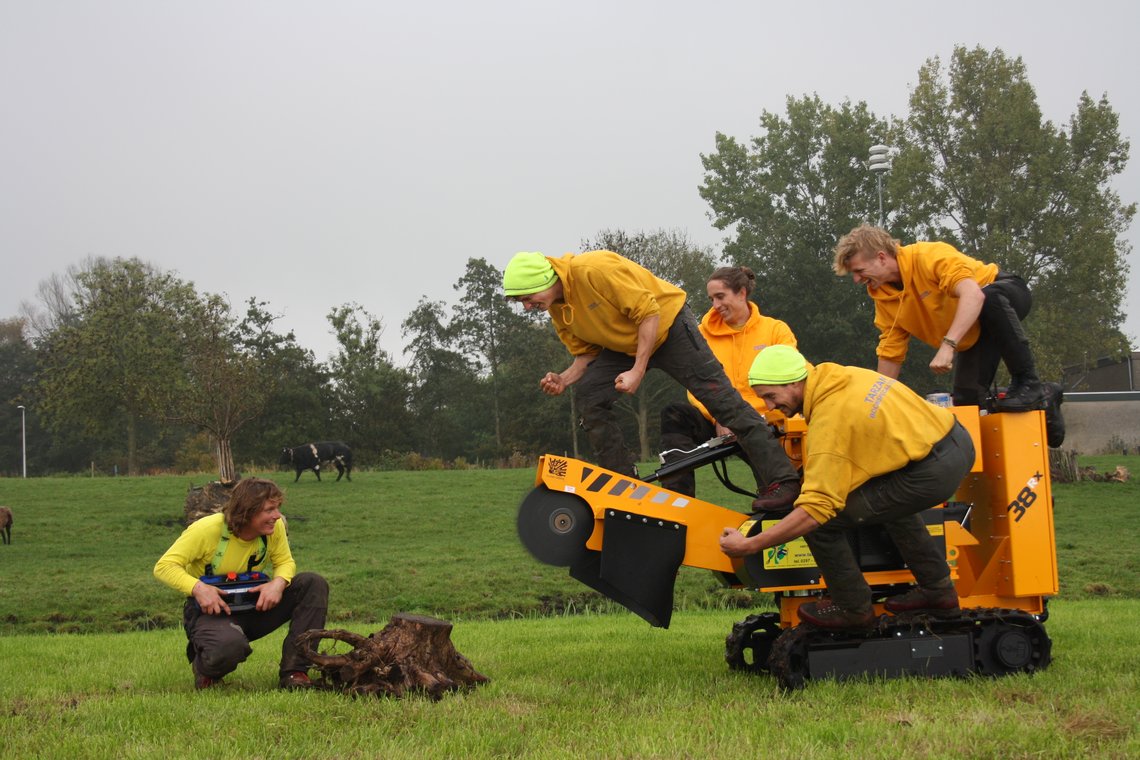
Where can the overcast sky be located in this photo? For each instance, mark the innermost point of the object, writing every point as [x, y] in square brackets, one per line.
[312, 154]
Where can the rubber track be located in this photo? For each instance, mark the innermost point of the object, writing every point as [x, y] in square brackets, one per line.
[1026, 648]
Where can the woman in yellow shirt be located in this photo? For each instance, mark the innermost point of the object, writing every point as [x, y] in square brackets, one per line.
[736, 331]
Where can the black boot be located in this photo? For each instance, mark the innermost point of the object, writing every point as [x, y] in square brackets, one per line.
[1054, 422]
[1024, 394]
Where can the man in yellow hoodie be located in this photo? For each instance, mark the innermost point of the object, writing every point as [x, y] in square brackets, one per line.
[969, 311]
[736, 331]
[618, 320]
[875, 453]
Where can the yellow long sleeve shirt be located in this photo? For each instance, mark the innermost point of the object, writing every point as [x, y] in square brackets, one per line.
[186, 559]
[925, 304]
[860, 425]
[736, 350]
[606, 297]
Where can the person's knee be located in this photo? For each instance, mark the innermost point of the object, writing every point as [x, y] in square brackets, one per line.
[311, 588]
[225, 652]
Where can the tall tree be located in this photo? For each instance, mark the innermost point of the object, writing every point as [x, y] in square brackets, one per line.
[786, 197]
[482, 320]
[111, 365]
[299, 397]
[371, 395]
[222, 386]
[442, 378]
[975, 166]
[17, 370]
[534, 423]
[978, 167]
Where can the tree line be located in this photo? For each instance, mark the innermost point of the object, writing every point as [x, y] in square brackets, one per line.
[123, 367]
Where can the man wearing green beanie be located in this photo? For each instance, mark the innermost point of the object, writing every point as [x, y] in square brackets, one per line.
[618, 320]
[875, 453]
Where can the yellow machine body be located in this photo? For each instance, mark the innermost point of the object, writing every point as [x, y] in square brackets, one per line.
[998, 536]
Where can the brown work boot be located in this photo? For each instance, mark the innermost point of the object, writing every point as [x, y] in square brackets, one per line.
[203, 681]
[834, 618]
[295, 680]
[935, 602]
[777, 496]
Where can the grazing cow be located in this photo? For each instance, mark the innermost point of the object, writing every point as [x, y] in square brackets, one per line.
[310, 455]
[6, 524]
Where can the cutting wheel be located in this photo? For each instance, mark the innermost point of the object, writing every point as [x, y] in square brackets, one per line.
[554, 526]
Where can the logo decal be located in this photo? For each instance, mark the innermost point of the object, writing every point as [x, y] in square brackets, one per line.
[1025, 498]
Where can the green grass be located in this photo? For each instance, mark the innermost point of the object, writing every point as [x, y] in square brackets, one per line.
[440, 543]
[564, 685]
[579, 686]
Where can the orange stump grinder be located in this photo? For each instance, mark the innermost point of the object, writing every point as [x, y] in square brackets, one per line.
[627, 538]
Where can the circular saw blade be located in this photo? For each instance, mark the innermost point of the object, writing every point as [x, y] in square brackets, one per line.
[554, 526]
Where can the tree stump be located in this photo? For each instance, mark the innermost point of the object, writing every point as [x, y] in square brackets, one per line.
[413, 653]
[1063, 466]
[207, 499]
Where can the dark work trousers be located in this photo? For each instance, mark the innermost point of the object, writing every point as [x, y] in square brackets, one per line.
[219, 643]
[683, 428]
[1002, 338]
[687, 358]
[894, 501]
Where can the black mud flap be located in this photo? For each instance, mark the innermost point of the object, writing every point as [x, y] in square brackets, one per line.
[637, 566]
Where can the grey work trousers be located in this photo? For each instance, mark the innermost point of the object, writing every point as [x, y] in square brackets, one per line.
[894, 501]
[686, 357]
[219, 643]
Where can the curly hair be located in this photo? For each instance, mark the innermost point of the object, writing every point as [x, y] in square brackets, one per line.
[247, 499]
[736, 278]
[862, 241]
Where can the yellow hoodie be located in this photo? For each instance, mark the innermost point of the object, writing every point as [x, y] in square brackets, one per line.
[737, 349]
[860, 425]
[925, 304]
[186, 559]
[606, 297]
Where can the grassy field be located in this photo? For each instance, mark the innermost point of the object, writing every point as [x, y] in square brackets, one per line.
[569, 679]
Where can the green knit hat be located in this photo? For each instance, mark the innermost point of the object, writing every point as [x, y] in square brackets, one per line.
[778, 365]
[528, 273]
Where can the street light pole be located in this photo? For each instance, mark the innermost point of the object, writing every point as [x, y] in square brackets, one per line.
[23, 443]
[880, 162]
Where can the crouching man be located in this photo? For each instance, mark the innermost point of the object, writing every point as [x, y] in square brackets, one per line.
[875, 453]
[247, 537]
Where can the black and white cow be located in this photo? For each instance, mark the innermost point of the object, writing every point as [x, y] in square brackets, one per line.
[310, 455]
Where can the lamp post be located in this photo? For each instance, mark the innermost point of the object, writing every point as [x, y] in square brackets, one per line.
[879, 162]
[23, 443]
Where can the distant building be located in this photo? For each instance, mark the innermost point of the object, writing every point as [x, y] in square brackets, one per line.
[1107, 374]
[1102, 406]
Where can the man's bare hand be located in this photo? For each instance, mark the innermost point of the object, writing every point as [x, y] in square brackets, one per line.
[943, 361]
[211, 599]
[734, 544]
[269, 594]
[629, 381]
[552, 384]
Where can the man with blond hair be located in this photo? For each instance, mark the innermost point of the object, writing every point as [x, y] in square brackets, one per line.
[969, 311]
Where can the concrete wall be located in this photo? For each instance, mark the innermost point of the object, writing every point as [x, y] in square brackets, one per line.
[1101, 426]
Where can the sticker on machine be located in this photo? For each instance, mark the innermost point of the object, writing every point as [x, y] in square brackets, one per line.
[792, 555]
